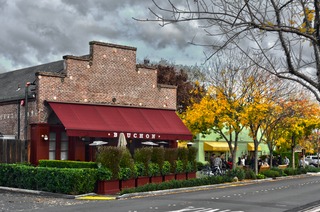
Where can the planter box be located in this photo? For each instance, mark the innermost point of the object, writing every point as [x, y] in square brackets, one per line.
[169, 177]
[191, 175]
[181, 176]
[140, 181]
[130, 183]
[108, 187]
[156, 179]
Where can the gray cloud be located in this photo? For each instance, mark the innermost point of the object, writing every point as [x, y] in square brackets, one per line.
[35, 32]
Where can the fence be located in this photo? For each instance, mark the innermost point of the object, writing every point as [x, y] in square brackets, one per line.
[12, 151]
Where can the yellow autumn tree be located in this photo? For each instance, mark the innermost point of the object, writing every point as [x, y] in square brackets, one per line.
[221, 109]
[303, 118]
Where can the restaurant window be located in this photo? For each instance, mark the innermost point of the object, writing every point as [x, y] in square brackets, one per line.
[52, 146]
[64, 146]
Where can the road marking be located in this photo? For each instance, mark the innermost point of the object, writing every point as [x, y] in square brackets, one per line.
[192, 209]
[96, 198]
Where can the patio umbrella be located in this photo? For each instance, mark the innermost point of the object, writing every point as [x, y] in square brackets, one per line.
[162, 142]
[98, 143]
[149, 143]
[122, 142]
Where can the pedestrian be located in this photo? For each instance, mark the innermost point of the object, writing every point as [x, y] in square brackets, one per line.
[279, 160]
[213, 156]
[243, 161]
[217, 166]
[286, 161]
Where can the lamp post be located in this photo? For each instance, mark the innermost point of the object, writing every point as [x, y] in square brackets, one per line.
[26, 97]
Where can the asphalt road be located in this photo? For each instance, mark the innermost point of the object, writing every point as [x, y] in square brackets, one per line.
[289, 194]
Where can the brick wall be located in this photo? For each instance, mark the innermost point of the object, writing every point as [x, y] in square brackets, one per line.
[9, 118]
[108, 72]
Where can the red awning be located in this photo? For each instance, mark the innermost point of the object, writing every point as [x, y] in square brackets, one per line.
[87, 120]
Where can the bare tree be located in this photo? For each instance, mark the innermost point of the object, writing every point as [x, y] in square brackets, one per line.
[284, 35]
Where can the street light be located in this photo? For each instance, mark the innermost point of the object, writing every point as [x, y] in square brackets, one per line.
[26, 97]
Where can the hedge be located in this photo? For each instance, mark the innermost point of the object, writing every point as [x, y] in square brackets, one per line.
[67, 164]
[58, 180]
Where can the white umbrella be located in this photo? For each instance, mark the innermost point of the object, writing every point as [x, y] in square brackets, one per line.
[122, 142]
[98, 143]
[149, 143]
[162, 142]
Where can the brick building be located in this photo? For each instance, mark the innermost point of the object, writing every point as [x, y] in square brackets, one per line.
[60, 108]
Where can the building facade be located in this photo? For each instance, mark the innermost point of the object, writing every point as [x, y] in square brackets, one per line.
[60, 108]
[212, 143]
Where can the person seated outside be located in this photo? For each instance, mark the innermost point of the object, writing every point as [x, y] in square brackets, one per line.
[264, 164]
[286, 161]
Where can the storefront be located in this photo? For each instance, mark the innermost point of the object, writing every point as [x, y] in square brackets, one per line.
[67, 105]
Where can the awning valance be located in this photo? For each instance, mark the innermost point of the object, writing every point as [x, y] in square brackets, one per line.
[88, 120]
[216, 146]
[250, 147]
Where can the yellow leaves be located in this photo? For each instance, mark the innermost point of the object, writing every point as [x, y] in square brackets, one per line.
[292, 22]
[269, 23]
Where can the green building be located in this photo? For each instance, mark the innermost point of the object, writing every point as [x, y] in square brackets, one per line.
[208, 144]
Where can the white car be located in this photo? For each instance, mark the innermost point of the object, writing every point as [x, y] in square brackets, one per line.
[312, 159]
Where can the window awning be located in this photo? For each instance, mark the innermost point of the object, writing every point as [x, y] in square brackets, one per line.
[88, 120]
[250, 147]
[216, 146]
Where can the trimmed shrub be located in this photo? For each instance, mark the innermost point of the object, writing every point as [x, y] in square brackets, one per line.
[158, 156]
[281, 171]
[201, 165]
[153, 169]
[125, 173]
[237, 172]
[104, 174]
[250, 174]
[179, 167]
[127, 169]
[192, 157]
[143, 155]
[260, 176]
[166, 168]
[178, 184]
[67, 164]
[110, 157]
[183, 157]
[270, 173]
[290, 171]
[140, 169]
[58, 180]
[171, 155]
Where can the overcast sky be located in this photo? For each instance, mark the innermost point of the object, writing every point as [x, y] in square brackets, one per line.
[39, 31]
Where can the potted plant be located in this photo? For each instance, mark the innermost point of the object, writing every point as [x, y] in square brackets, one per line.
[126, 178]
[126, 172]
[105, 185]
[154, 173]
[191, 167]
[141, 176]
[166, 171]
[179, 170]
[109, 157]
[190, 170]
[142, 158]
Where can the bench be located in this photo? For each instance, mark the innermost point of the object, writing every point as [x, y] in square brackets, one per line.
[264, 168]
[282, 166]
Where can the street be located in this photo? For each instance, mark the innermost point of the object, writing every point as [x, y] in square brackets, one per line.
[289, 194]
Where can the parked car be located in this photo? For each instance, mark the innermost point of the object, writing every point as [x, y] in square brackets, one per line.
[313, 160]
